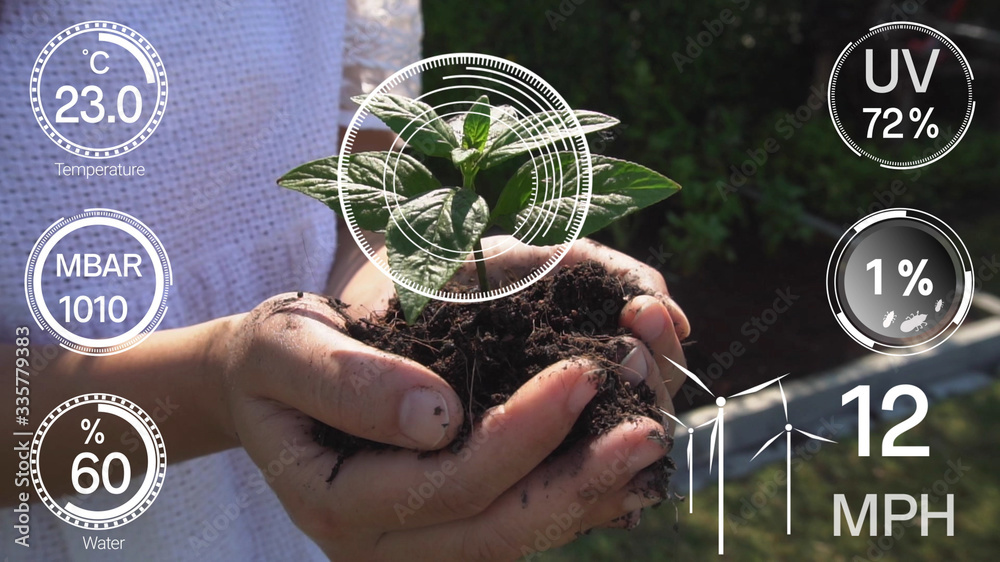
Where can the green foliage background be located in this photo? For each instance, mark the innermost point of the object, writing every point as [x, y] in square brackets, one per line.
[692, 124]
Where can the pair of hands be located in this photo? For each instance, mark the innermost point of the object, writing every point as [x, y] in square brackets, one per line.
[495, 498]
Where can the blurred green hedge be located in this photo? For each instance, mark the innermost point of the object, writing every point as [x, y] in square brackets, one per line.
[693, 112]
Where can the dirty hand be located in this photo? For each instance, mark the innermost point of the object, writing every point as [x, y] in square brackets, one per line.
[288, 362]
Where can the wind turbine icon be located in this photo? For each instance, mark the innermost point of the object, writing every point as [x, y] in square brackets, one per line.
[718, 435]
[690, 457]
[788, 456]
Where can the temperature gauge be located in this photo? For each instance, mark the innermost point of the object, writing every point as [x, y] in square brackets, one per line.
[98, 89]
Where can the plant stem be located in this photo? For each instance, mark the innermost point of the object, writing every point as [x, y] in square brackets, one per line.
[468, 182]
[477, 253]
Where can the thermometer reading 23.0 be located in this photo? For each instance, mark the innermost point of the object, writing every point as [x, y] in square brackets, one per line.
[127, 91]
[99, 66]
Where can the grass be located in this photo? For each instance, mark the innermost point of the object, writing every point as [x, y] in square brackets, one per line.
[965, 429]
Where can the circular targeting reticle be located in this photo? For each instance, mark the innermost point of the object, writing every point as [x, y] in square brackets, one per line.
[554, 145]
[900, 282]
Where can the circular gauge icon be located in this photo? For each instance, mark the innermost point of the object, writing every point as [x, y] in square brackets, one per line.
[98, 89]
[115, 465]
[121, 278]
[900, 281]
[902, 95]
[516, 117]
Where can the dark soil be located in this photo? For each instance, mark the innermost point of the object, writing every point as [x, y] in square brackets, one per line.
[486, 351]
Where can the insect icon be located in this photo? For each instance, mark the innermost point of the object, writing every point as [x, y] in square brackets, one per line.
[913, 322]
[938, 305]
[889, 318]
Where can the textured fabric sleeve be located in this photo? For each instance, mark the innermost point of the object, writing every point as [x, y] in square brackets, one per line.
[382, 36]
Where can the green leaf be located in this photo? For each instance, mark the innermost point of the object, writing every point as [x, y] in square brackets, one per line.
[514, 196]
[502, 119]
[465, 158]
[366, 184]
[477, 124]
[414, 121]
[453, 220]
[540, 130]
[619, 188]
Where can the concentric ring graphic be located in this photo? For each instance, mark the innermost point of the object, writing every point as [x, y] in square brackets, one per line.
[556, 147]
[153, 473]
[113, 131]
[967, 77]
[853, 311]
[99, 218]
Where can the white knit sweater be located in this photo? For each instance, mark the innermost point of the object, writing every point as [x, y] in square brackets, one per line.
[255, 88]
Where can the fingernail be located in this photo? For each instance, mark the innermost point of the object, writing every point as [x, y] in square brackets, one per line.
[640, 499]
[680, 320]
[634, 517]
[634, 368]
[635, 502]
[423, 416]
[585, 389]
[643, 455]
[664, 439]
[650, 321]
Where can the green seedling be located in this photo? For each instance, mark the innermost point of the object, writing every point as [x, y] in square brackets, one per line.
[476, 143]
